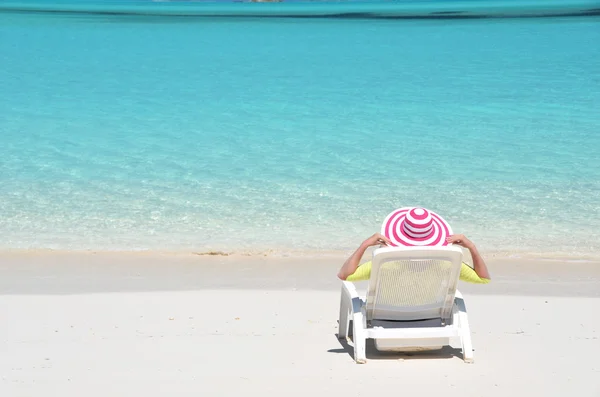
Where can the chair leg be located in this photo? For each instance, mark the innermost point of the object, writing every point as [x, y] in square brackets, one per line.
[344, 321]
[359, 338]
[465, 330]
[351, 303]
[467, 348]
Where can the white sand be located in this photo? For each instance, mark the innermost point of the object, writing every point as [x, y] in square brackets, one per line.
[72, 327]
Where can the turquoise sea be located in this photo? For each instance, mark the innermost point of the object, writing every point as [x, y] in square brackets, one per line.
[124, 131]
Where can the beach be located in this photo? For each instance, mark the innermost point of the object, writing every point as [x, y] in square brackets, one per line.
[157, 324]
[179, 185]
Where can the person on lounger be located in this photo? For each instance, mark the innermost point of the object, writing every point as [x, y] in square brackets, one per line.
[414, 226]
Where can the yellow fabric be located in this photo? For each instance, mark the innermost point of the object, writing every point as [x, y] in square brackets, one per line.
[468, 274]
[363, 272]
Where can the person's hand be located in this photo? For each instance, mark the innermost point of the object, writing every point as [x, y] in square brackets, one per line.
[460, 239]
[377, 239]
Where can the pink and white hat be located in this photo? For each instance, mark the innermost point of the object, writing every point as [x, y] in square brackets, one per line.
[414, 226]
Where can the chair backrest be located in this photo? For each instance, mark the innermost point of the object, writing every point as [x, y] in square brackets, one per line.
[413, 283]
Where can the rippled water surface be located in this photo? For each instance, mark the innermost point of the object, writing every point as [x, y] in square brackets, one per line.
[282, 133]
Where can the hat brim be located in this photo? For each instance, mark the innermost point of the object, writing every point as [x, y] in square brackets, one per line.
[392, 229]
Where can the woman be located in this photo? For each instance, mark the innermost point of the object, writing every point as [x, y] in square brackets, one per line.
[413, 226]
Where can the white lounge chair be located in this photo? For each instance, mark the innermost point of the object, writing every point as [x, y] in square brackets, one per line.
[412, 303]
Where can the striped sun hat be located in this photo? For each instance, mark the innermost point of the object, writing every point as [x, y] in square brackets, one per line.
[414, 226]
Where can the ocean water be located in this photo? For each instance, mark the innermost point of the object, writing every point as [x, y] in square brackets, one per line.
[296, 134]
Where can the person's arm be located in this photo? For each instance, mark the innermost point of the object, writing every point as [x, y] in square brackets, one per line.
[479, 265]
[351, 264]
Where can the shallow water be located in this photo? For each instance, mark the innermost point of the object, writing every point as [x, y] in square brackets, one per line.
[281, 133]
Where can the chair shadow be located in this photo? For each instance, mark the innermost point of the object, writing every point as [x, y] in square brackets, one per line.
[447, 352]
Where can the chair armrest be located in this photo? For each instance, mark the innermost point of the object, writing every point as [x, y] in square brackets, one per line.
[349, 290]
[459, 302]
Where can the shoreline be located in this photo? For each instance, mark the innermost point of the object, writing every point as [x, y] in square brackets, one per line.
[283, 253]
[95, 272]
